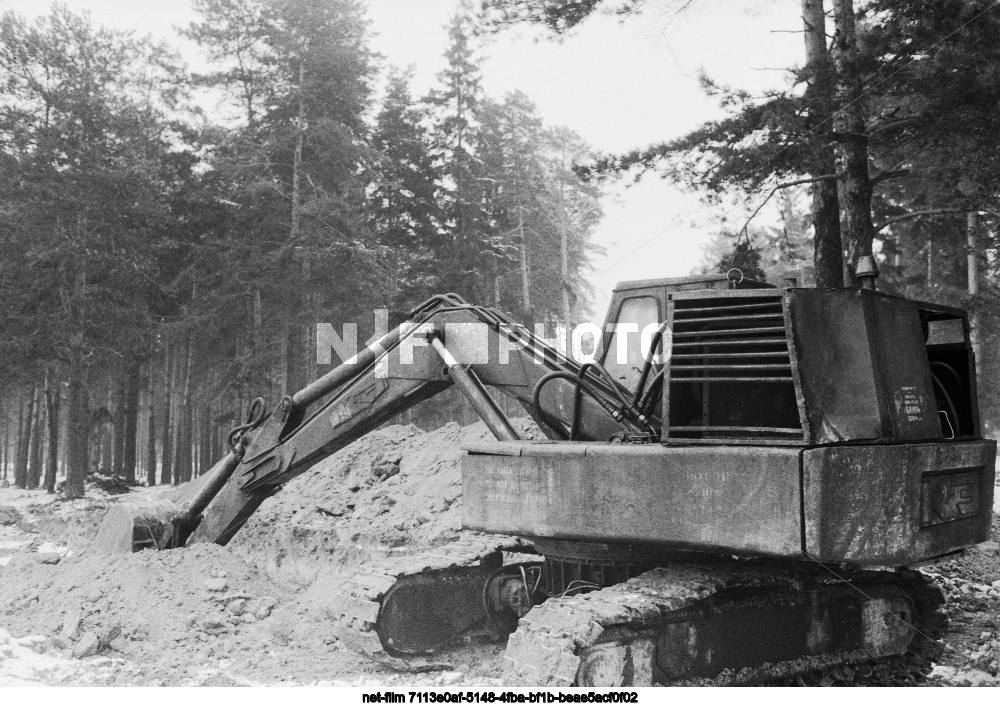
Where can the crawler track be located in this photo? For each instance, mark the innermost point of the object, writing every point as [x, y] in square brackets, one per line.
[372, 605]
[613, 636]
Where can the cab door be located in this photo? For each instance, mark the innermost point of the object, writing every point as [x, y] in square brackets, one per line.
[631, 312]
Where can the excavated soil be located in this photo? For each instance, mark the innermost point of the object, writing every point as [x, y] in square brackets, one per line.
[397, 490]
[250, 613]
[255, 612]
[147, 606]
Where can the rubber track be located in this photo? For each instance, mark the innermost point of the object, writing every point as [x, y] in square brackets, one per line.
[356, 606]
[545, 649]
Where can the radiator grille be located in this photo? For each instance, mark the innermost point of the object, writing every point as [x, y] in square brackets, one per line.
[731, 372]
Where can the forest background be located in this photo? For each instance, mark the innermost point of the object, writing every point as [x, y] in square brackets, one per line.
[162, 265]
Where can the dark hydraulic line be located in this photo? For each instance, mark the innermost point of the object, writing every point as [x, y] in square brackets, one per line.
[647, 397]
[648, 365]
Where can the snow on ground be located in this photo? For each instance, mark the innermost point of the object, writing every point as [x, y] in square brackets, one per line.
[251, 614]
[237, 615]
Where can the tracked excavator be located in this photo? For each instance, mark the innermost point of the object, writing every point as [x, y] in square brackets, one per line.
[738, 488]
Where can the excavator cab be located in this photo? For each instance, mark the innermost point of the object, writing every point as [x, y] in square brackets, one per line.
[832, 436]
[839, 425]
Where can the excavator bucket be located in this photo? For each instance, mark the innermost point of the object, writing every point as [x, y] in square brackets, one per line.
[137, 525]
[159, 523]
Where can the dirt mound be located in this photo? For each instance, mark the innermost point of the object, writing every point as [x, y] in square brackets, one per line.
[396, 490]
[156, 618]
[9, 515]
[39, 517]
[139, 605]
[113, 485]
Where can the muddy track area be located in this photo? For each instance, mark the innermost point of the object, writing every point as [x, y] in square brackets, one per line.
[255, 612]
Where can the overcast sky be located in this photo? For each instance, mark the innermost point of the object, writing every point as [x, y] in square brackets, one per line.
[618, 84]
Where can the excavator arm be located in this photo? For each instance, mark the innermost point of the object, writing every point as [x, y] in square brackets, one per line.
[444, 342]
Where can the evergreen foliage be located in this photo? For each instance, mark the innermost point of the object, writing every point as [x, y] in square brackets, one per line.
[911, 111]
[162, 267]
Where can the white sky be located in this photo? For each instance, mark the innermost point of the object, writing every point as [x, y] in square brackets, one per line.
[618, 84]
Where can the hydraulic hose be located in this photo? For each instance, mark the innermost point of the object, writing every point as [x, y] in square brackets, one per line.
[645, 403]
[648, 365]
[581, 386]
[578, 393]
[550, 420]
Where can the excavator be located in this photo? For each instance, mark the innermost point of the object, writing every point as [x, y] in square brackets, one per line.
[737, 487]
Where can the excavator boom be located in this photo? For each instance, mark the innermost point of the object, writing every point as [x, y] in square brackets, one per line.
[415, 361]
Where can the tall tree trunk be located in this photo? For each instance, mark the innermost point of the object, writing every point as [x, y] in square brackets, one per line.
[52, 399]
[525, 278]
[19, 478]
[564, 263]
[106, 436]
[295, 338]
[7, 447]
[35, 449]
[205, 439]
[285, 358]
[828, 250]
[215, 449]
[852, 139]
[166, 475]
[212, 414]
[258, 322]
[4, 450]
[195, 442]
[78, 434]
[300, 125]
[130, 419]
[185, 449]
[151, 432]
[930, 258]
[972, 244]
[308, 335]
[24, 445]
[564, 277]
[118, 459]
[177, 420]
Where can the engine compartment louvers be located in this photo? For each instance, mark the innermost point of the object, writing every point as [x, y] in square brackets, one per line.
[731, 371]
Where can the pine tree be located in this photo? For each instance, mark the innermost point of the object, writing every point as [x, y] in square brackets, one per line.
[293, 180]
[233, 34]
[403, 195]
[573, 210]
[83, 121]
[466, 244]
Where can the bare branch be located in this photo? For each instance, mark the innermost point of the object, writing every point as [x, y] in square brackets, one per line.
[925, 212]
[890, 174]
[785, 185]
[888, 123]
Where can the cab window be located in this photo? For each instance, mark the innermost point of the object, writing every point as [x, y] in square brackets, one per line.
[638, 313]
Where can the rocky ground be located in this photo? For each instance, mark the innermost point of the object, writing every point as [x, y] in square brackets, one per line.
[255, 612]
[972, 587]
